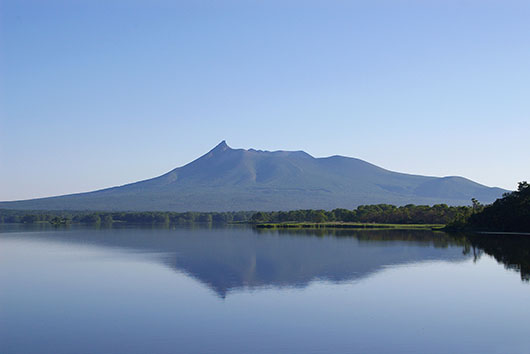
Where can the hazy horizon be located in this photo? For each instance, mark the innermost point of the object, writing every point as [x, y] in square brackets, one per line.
[96, 95]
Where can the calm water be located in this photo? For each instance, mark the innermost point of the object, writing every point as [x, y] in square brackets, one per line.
[236, 290]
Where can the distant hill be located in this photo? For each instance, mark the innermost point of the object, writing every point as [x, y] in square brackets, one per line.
[227, 179]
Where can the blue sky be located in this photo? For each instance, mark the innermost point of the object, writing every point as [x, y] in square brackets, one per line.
[101, 93]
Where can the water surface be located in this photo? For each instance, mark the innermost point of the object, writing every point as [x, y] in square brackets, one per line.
[237, 290]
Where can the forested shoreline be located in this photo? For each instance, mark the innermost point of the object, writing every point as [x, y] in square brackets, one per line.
[509, 213]
[104, 217]
[381, 213]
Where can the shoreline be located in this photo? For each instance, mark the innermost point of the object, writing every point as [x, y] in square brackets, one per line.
[332, 225]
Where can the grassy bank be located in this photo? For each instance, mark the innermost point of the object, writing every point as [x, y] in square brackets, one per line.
[347, 225]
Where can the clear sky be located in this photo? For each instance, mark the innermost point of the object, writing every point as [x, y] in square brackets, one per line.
[95, 94]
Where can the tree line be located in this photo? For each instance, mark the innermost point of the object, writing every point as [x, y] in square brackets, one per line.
[509, 213]
[380, 213]
[101, 217]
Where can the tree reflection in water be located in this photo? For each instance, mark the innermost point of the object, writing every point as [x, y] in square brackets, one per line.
[511, 250]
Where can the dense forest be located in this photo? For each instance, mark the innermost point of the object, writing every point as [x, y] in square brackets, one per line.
[509, 213]
[89, 217]
[381, 213]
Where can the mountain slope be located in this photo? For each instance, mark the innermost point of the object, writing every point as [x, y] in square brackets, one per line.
[227, 179]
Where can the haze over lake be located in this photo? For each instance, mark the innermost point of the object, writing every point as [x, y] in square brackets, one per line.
[225, 290]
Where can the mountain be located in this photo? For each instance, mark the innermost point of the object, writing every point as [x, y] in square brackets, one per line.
[227, 179]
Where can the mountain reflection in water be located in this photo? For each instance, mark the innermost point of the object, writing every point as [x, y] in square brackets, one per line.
[228, 259]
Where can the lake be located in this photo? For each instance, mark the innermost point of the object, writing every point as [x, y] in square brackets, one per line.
[242, 290]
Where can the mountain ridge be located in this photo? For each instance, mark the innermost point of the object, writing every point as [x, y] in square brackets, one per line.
[227, 179]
